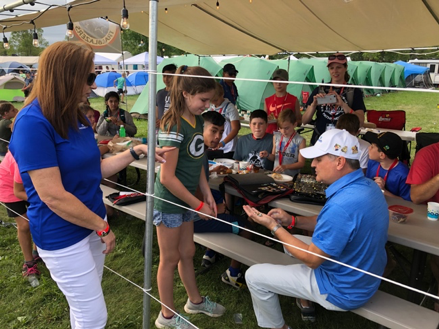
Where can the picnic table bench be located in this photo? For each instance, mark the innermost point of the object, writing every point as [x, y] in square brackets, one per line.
[383, 308]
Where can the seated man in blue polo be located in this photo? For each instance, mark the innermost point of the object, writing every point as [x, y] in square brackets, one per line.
[349, 229]
[212, 133]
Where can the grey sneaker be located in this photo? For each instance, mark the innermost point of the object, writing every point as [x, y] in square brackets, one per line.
[207, 307]
[176, 321]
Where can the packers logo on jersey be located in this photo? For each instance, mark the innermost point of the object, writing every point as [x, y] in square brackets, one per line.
[196, 146]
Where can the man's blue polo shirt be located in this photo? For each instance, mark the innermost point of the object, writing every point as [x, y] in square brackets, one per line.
[352, 229]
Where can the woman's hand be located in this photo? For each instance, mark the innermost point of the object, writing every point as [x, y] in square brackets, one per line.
[159, 152]
[260, 218]
[263, 154]
[314, 102]
[280, 216]
[110, 241]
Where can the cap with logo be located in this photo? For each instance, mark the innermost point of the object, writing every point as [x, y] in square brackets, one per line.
[390, 143]
[230, 68]
[336, 142]
[280, 74]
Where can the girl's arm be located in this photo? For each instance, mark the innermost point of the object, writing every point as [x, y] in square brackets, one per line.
[19, 191]
[174, 185]
[129, 125]
[207, 194]
[102, 126]
[236, 125]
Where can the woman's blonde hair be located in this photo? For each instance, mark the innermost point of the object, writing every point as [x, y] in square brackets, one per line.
[63, 69]
[192, 85]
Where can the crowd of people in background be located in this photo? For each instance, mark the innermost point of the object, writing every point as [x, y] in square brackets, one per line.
[197, 120]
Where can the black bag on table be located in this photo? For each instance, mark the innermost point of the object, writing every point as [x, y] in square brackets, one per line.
[308, 190]
[257, 189]
[127, 199]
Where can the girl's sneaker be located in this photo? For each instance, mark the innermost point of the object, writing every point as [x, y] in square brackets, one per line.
[36, 257]
[177, 321]
[206, 306]
[30, 269]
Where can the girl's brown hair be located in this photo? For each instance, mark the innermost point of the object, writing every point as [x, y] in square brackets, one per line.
[190, 84]
[63, 69]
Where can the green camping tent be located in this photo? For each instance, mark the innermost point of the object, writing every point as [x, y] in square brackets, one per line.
[398, 76]
[389, 71]
[252, 93]
[371, 74]
[298, 71]
[321, 73]
[141, 105]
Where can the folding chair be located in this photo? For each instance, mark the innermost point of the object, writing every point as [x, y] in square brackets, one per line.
[392, 120]
[425, 139]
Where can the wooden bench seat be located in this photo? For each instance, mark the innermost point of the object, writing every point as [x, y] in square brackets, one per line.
[385, 309]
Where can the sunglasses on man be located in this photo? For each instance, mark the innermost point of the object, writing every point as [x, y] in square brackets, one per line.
[339, 57]
[91, 79]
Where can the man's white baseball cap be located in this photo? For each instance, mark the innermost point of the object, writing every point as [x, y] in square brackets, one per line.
[336, 142]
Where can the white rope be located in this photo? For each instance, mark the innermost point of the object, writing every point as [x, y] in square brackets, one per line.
[303, 83]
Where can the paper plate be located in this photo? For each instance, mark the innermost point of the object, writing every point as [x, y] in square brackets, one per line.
[285, 178]
[225, 162]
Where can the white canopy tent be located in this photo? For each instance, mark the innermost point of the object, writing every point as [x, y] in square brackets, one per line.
[269, 26]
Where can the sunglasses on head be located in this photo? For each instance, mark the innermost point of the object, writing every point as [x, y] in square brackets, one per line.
[339, 57]
[91, 79]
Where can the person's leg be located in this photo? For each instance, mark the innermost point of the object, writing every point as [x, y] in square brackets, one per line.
[267, 281]
[76, 273]
[24, 237]
[168, 240]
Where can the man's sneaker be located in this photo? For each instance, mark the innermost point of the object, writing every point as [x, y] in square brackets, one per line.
[308, 313]
[207, 307]
[30, 270]
[208, 261]
[235, 281]
[176, 321]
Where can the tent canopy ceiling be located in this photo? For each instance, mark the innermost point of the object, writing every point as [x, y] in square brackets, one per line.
[270, 26]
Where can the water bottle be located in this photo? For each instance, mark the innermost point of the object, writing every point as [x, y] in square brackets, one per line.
[122, 132]
[33, 280]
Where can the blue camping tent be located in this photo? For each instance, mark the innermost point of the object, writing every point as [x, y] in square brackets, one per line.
[138, 80]
[105, 83]
[415, 75]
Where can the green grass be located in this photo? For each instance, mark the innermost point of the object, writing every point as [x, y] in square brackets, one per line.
[45, 307]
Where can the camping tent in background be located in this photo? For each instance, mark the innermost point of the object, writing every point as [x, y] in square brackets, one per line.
[353, 72]
[105, 83]
[141, 105]
[320, 70]
[10, 88]
[9, 67]
[141, 59]
[101, 60]
[398, 75]
[252, 93]
[298, 71]
[371, 74]
[389, 72]
[415, 75]
[138, 80]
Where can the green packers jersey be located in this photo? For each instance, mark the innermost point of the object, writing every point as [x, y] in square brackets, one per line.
[189, 140]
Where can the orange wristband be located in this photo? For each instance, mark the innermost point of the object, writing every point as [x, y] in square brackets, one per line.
[200, 206]
[104, 232]
[293, 223]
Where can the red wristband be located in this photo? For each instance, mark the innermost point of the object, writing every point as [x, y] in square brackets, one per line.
[293, 223]
[200, 206]
[351, 111]
[104, 232]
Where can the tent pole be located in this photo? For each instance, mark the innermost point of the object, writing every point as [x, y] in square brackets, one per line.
[153, 16]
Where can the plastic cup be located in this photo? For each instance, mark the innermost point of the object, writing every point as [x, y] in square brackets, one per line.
[433, 211]
[243, 165]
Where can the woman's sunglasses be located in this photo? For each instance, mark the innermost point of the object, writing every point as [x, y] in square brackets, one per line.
[339, 57]
[91, 79]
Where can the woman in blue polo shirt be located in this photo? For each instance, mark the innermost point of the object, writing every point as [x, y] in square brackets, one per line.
[59, 162]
